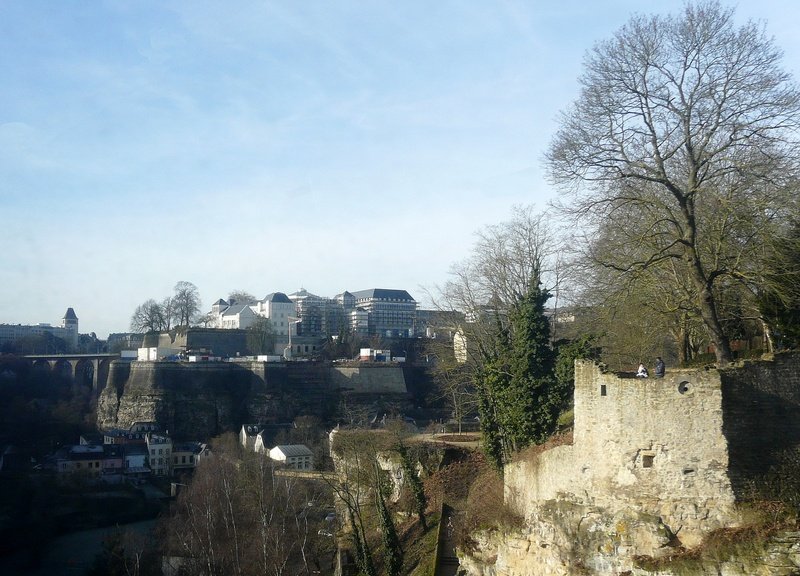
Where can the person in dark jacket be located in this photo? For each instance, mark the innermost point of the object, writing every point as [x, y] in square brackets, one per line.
[660, 368]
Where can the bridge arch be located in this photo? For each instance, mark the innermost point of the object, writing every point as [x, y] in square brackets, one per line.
[88, 369]
[63, 368]
[41, 364]
[84, 374]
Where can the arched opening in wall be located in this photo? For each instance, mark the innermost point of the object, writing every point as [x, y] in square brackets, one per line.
[84, 373]
[42, 365]
[685, 388]
[63, 369]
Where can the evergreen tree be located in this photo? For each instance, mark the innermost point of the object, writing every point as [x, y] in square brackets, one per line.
[519, 401]
[393, 555]
[567, 351]
[532, 407]
[778, 295]
[415, 485]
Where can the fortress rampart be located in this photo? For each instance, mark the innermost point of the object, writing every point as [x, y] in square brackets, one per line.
[200, 400]
[683, 448]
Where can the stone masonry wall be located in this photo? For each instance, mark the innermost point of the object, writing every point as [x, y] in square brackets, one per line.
[200, 400]
[653, 444]
[652, 460]
[761, 416]
[369, 379]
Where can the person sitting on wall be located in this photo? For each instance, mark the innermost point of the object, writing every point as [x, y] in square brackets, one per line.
[642, 372]
[660, 368]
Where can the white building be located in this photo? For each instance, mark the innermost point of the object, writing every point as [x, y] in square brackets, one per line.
[280, 310]
[159, 450]
[295, 456]
[68, 331]
[237, 316]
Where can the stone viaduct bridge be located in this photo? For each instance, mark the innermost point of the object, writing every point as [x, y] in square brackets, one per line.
[82, 368]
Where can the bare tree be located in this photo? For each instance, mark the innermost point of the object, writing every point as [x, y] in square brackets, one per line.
[506, 259]
[169, 312]
[237, 516]
[684, 141]
[261, 337]
[186, 302]
[241, 297]
[148, 317]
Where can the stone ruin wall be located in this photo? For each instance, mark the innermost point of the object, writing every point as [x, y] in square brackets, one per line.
[761, 416]
[683, 448]
[654, 445]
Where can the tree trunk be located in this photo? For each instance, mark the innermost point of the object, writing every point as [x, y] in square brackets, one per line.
[708, 311]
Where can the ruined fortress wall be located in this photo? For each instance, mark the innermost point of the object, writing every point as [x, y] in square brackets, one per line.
[651, 438]
[761, 416]
[654, 445]
[189, 400]
[200, 400]
[550, 475]
[683, 448]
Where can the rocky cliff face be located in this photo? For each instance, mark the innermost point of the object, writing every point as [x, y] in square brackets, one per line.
[205, 399]
[589, 542]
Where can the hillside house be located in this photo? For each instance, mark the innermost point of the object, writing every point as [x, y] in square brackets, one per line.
[295, 456]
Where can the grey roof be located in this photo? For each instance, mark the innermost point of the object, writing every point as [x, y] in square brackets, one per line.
[194, 447]
[383, 294]
[292, 450]
[70, 315]
[220, 302]
[233, 310]
[277, 297]
[303, 293]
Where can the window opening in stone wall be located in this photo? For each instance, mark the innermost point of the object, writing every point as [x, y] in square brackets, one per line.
[603, 390]
[688, 470]
[685, 387]
[647, 460]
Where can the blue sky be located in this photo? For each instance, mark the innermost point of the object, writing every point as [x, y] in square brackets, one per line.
[269, 146]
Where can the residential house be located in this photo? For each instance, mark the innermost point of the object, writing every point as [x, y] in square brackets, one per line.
[260, 446]
[281, 312]
[185, 455]
[135, 461]
[134, 435]
[237, 316]
[82, 460]
[247, 436]
[159, 448]
[113, 460]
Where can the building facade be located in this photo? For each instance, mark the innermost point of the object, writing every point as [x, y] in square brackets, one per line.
[392, 313]
[375, 312]
[67, 331]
